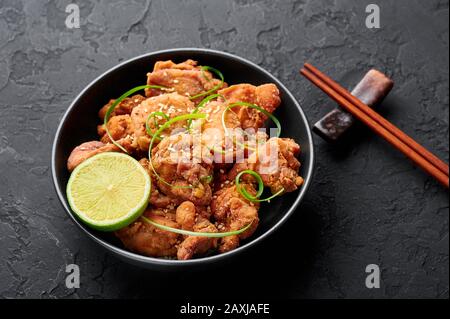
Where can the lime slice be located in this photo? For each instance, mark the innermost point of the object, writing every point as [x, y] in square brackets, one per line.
[108, 191]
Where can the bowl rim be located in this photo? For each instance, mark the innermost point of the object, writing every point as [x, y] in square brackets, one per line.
[137, 258]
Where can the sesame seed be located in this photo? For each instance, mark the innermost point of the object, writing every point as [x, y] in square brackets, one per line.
[217, 109]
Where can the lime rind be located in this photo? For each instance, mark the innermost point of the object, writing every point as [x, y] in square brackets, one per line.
[114, 223]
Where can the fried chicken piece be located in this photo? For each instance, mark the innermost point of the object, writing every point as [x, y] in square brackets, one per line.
[183, 172]
[213, 133]
[214, 137]
[157, 198]
[146, 239]
[185, 215]
[172, 104]
[124, 107]
[88, 149]
[266, 96]
[233, 212]
[188, 219]
[198, 245]
[186, 78]
[119, 126]
[277, 164]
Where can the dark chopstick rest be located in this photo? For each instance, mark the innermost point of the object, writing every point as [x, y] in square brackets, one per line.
[385, 129]
[371, 90]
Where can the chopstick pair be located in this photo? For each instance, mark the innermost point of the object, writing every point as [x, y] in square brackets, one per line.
[404, 143]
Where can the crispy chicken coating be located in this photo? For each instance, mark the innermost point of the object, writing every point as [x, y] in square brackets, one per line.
[213, 133]
[189, 219]
[232, 211]
[119, 126]
[277, 164]
[172, 104]
[157, 198]
[214, 136]
[146, 239]
[124, 107]
[182, 173]
[266, 96]
[149, 240]
[88, 149]
[198, 245]
[186, 78]
[185, 215]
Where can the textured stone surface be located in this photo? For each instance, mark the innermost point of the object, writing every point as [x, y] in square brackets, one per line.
[367, 203]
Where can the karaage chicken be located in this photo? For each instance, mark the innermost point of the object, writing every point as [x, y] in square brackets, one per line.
[203, 200]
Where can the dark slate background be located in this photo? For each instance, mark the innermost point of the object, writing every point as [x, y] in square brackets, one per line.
[367, 204]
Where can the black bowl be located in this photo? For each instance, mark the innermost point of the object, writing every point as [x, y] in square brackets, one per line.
[80, 121]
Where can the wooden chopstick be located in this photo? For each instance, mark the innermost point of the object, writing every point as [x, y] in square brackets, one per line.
[381, 120]
[383, 130]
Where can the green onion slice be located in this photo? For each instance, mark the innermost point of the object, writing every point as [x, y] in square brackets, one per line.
[218, 86]
[207, 179]
[258, 178]
[198, 234]
[116, 102]
[158, 133]
[154, 115]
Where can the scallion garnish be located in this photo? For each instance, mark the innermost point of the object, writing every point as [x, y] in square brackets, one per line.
[154, 115]
[116, 102]
[218, 86]
[207, 179]
[259, 180]
[193, 233]
[157, 134]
